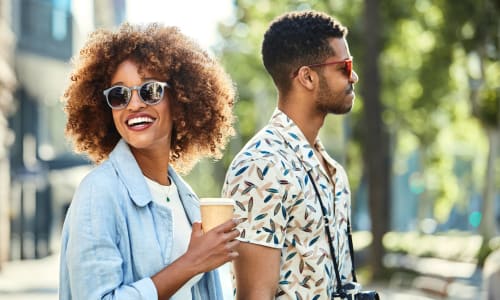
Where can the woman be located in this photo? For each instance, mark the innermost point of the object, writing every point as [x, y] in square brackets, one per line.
[143, 101]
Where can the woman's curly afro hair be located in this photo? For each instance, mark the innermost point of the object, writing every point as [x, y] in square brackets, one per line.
[202, 94]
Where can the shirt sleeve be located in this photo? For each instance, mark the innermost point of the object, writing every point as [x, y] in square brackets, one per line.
[261, 189]
[93, 258]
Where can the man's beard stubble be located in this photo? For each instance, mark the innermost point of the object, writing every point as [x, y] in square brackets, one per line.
[333, 103]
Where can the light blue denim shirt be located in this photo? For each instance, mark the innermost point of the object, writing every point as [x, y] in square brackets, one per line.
[115, 237]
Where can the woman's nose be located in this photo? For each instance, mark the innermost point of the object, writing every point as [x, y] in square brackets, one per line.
[135, 101]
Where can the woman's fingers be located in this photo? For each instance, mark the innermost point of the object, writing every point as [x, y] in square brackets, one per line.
[216, 247]
[231, 245]
[233, 234]
[227, 226]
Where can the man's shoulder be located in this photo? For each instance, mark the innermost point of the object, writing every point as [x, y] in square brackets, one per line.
[265, 145]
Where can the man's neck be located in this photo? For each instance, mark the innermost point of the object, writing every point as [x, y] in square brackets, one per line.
[308, 120]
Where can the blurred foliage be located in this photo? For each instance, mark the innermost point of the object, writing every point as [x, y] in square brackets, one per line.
[488, 108]
[429, 64]
[454, 246]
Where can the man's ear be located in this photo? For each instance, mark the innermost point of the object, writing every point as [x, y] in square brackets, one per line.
[307, 77]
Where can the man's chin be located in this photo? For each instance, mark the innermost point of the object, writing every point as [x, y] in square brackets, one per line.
[344, 109]
[350, 102]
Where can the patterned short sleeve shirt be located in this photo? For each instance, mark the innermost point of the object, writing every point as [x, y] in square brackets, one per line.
[274, 196]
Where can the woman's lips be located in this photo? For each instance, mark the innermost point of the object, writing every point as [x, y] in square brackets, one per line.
[139, 122]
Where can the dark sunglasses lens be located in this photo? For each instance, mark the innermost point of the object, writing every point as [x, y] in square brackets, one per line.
[118, 96]
[151, 92]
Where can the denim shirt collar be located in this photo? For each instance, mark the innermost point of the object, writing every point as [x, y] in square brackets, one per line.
[129, 172]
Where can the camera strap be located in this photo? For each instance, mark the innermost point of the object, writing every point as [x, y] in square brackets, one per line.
[330, 242]
[327, 229]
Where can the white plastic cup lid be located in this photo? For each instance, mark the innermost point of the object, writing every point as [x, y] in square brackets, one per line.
[216, 201]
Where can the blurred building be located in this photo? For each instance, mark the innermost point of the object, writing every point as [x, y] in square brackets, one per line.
[43, 171]
[7, 85]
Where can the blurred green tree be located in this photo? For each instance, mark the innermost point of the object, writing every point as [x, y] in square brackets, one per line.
[374, 134]
[473, 30]
[440, 87]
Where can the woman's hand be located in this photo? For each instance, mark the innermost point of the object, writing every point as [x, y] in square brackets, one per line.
[214, 248]
[206, 251]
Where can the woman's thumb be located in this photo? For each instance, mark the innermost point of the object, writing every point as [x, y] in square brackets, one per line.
[197, 227]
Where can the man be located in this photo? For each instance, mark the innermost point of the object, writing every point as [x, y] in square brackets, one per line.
[280, 176]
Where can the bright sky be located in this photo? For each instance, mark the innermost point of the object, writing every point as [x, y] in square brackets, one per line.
[196, 18]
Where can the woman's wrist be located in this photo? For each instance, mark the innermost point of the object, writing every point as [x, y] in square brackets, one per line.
[188, 265]
[170, 279]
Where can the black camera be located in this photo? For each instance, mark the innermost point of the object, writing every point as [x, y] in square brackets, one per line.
[363, 295]
[351, 291]
[367, 295]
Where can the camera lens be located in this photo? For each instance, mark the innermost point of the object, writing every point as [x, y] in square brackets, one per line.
[369, 295]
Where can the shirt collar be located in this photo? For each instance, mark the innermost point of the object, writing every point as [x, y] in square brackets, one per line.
[330, 161]
[129, 172]
[295, 139]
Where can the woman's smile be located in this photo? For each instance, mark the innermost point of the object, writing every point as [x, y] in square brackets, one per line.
[138, 122]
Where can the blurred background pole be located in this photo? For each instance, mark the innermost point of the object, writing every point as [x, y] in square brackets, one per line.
[7, 82]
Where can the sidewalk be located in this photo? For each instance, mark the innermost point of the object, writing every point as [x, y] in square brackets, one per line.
[437, 278]
[38, 280]
[30, 279]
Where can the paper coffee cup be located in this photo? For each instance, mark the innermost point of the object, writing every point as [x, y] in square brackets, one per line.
[215, 211]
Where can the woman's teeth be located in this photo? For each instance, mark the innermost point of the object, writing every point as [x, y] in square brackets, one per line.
[139, 120]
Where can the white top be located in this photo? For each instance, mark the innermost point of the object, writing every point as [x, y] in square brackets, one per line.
[168, 196]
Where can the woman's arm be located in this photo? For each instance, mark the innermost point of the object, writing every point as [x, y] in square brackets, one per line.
[206, 252]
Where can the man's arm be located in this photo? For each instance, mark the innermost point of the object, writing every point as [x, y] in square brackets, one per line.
[258, 187]
[257, 271]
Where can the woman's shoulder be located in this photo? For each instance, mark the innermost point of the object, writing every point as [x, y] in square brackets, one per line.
[99, 187]
[97, 207]
[102, 175]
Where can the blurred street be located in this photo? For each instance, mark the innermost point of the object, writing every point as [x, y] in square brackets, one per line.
[30, 279]
[37, 280]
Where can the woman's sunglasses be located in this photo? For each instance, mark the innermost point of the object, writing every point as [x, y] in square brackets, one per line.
[347, 66]
[150, 92]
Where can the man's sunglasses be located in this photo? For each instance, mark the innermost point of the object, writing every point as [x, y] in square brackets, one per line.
[347, 66]
[150, 92]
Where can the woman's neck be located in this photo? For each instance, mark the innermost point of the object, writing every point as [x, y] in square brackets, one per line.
[154, 166]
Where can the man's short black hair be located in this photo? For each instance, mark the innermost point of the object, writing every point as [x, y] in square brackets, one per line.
[297, 39]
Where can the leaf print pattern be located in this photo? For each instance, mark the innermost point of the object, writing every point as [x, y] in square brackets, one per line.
[250, 186]
[240, 171]
[240, 205]
[275, 198]
[277, 208]
[233, 191]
